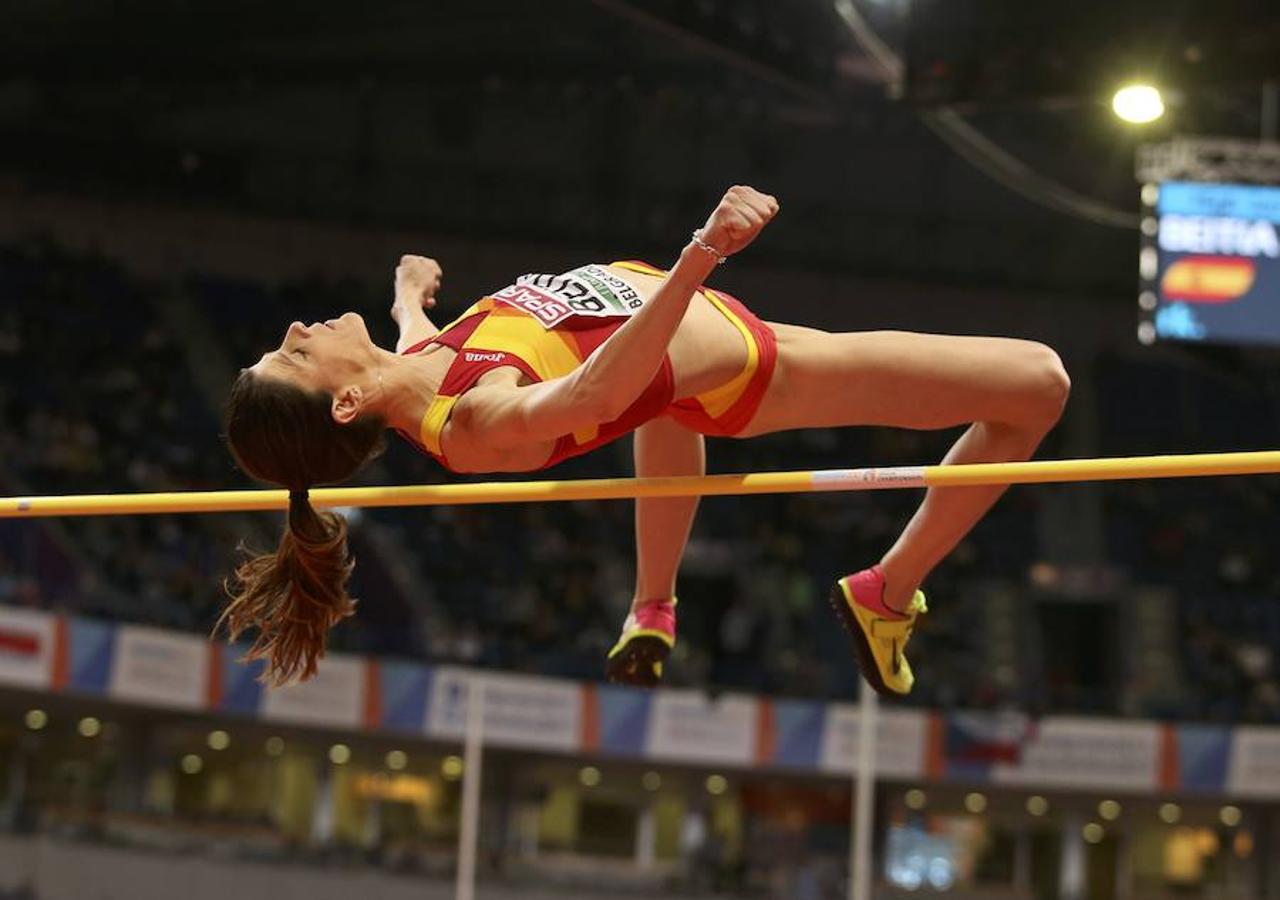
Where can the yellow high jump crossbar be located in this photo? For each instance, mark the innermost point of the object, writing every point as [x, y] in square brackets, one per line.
[971, 475]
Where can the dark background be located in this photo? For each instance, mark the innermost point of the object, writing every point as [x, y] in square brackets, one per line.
[163, 156]
[615, 124]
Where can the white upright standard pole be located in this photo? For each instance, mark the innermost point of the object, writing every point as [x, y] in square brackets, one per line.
[472, 759]
[864, 786]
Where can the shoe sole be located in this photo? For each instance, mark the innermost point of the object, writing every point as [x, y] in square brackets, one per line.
[861, 647]
[634, 663]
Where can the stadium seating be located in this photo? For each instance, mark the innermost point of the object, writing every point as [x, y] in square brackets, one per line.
[123, 410]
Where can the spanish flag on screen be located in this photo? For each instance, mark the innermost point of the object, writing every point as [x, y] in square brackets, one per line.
[1208, 279]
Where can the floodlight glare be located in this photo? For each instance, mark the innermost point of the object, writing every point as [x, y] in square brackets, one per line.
[1138, 103]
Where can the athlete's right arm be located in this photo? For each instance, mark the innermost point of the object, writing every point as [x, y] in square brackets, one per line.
[619, 370]
[501, 415]
[624, 365]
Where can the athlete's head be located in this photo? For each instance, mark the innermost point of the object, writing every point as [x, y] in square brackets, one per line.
[336, 357]
[298, 418]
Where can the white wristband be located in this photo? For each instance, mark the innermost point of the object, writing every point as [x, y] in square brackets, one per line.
[703, 245]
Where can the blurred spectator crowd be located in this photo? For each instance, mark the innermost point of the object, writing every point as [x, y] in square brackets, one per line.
[99, 391]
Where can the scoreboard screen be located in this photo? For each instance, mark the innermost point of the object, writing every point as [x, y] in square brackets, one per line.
[1210, 263]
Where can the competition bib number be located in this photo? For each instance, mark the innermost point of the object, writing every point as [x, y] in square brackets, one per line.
[585, 291]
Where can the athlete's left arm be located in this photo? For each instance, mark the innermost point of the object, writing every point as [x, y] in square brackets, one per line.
[417, 282]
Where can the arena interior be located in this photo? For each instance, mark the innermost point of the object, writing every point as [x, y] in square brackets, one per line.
[1097, 707]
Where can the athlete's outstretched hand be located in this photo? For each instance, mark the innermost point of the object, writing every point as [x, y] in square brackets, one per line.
[741, 215]
[417, 281]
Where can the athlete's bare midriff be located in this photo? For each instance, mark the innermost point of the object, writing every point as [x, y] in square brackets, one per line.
[707, 349]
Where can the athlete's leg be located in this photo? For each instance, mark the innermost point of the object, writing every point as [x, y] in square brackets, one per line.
[1012, 390]
[663, 447]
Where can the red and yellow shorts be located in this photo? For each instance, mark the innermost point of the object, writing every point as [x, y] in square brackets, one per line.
[726, 410]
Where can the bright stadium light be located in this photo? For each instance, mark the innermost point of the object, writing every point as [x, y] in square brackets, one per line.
[451, 768]
[397, 760]
[1138, 103]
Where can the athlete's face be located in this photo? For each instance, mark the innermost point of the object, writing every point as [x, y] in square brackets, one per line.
[322, 356]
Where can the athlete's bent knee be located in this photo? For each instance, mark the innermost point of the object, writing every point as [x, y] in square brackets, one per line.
[1052, 386]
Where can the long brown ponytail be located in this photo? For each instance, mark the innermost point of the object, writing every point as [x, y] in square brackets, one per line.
[280, 433]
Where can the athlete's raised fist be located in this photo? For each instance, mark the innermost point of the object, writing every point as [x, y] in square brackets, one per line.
[738, 218]
[417, 280]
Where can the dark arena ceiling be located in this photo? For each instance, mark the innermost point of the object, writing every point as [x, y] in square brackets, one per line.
[615, 124]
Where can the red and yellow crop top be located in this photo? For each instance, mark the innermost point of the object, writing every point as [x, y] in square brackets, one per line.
[491, 334]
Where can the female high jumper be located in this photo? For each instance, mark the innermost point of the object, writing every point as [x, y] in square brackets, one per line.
[556, 365]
